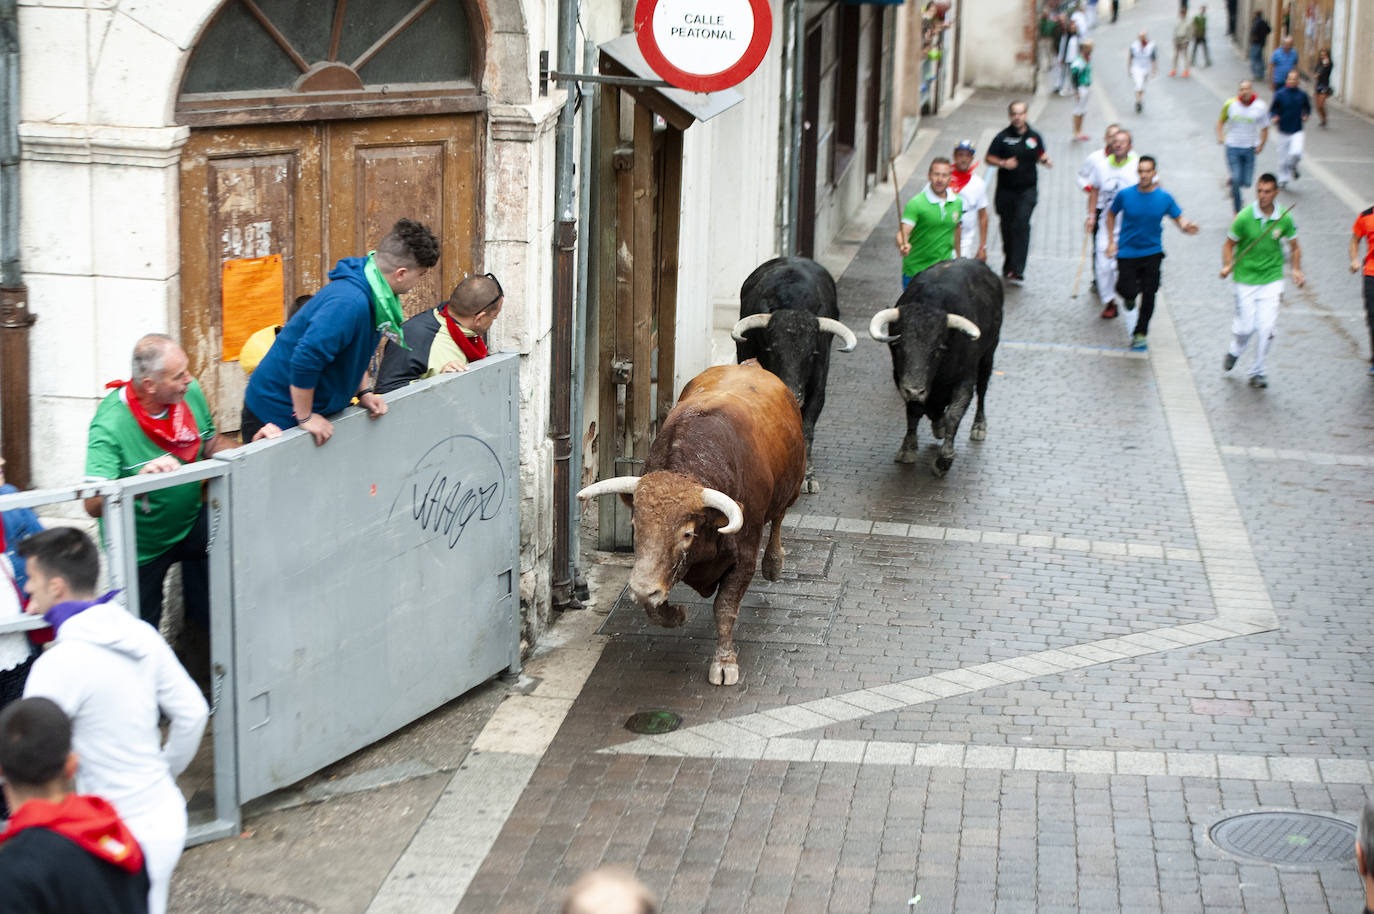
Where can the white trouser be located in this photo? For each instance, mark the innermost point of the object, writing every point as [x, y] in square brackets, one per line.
[1257, 311]
[1104, 267]
[1290, 151]
[1138, 77]
[159, 824]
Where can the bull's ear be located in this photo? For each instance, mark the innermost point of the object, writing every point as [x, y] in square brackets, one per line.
[628, 499]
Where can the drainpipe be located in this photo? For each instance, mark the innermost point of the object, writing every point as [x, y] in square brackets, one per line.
[579, 358]
[15, 318]
[564, 272]
[795, 14]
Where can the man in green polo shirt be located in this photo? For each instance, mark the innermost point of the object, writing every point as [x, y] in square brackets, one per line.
[929, 232]
[155, 422]
[1254, 253]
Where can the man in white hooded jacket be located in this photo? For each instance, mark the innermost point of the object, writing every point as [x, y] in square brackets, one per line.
[114, 675]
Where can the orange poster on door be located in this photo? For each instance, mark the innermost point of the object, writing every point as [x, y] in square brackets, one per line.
[251, 297]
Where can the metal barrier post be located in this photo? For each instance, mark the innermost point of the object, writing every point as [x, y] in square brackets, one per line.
[223, 710]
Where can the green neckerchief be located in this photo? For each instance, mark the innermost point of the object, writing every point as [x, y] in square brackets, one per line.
[389, 317]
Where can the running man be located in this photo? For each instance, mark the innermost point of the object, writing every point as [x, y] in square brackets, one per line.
[1289, 111]
[1242, 128]
[1081, 78]
[973, 192]
[1113, 172]
[1258, 232]
[1136, 217]
[929, 232]
[1364, 228]
[1141, 63]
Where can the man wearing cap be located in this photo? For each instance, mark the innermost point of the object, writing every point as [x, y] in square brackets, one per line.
[444, 339]
[929, 232]
[973, 193]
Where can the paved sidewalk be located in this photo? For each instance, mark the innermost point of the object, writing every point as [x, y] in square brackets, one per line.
[1139, 607]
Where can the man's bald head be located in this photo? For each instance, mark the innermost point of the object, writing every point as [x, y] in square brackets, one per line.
[150, 355]
[473, 295]
[609, 891]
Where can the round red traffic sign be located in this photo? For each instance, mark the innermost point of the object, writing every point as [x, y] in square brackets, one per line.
[703, 45]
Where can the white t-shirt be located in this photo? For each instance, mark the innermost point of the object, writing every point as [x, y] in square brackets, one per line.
[1110, 176]
[975, 197]
[1142, 55]
[1243, 122]
[1088, 170]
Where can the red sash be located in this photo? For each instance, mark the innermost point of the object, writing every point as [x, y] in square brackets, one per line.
[176, 433]
[475, 348]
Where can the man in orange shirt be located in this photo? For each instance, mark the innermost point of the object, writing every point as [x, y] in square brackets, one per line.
[1364, 228]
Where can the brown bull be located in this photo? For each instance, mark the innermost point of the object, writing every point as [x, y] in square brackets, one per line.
[729, 458]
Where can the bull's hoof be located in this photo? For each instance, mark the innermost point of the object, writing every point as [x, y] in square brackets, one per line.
[905, 455]
[723, 673]
[772, 566]
[668, 615]
[810, 486]
[978, 432]
[941, 465]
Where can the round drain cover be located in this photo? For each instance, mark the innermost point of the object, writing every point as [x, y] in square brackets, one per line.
[652, 723]
[1292, 838]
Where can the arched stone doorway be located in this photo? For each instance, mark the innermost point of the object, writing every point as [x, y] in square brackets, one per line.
[314, 126]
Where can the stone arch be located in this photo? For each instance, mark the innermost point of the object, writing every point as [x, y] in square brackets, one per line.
[145, 49]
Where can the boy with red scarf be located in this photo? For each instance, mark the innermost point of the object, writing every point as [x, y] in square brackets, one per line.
[444, 339]
[156, 422]
[62, 853]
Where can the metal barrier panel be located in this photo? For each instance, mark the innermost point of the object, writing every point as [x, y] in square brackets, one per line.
[377, 577]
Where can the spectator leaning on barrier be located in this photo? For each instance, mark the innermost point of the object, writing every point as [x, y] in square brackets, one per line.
[115, 677]
[319, 362]
[63, 853]
[155, 422]
[444, 339]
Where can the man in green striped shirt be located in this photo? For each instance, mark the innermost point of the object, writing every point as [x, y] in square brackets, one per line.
[929, 232]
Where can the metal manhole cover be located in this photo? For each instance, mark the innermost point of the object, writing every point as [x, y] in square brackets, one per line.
[1292, 838]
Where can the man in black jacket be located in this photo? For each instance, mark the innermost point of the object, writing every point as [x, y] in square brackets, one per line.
[62, 853]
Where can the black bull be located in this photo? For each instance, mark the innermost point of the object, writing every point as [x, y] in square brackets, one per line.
[788, 312]
[943, 335]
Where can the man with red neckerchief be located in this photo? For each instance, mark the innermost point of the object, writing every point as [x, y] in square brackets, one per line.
[63, 853]
[156, 422]
[444, 339]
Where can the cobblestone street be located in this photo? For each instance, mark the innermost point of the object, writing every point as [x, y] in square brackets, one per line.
[1140, 606]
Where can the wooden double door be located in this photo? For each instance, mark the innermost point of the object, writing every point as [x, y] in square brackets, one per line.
[314, 193]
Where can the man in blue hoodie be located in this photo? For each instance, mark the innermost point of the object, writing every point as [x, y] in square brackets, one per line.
[319, 361]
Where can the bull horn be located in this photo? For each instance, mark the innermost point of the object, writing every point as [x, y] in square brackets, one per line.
[752, 322]
[618, 485]
[734, 517]
[828, 325]
[877, 328]
[963, 325]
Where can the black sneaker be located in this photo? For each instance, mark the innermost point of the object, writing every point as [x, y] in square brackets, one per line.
[1129, 304]
[1016, 279]
[1258, 381]
[1296, 174]
[1229, 362]
[1139, 108]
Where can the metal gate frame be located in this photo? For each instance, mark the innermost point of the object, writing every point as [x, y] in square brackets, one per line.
[226, 721]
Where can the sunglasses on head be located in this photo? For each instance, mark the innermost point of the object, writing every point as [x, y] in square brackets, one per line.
[500, 294]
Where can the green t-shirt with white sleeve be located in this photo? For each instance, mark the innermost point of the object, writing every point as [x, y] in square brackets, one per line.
[1262, 263]
[117, 447]
[933, 223]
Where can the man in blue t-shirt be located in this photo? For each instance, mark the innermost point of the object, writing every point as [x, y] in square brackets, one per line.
[1284, 58]
[1140, 249]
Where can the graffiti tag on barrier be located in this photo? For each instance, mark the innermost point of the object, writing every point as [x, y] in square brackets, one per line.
[456, 484]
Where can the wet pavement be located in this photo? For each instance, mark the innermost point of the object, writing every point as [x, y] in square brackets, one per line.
[1036, 684]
